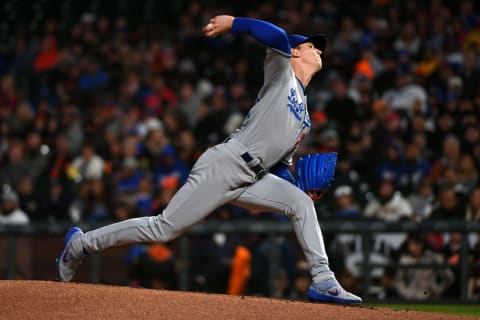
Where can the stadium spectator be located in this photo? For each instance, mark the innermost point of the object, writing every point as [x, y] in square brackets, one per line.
[88, 165]
[346, 175]
[93, 78]
[167, 188]
[422, 201]
[467, 173]
[421, 283]
[59, 203]
[450, 179]
[444, 126]
[49, 55]
[340, 108]
[17, 165]
[168, 164]
[37, 154]
[12, 215]
[127, 180]
[91, 204]
[394, 164]
[388, 204]
[473, 207]
[419, 123]
[471, 137]
[144, 196]
[9, 96]
[470, 72]
[345, 207]
[408, 40]
[187, 148]
[417, 168]
[31, 198]
[449, 159]
[407, 97]
[448, 207]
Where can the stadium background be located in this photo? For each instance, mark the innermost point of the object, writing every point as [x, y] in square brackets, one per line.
[104, 107]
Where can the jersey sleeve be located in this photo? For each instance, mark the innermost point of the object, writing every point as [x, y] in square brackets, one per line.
[265, 32]
[277, 63]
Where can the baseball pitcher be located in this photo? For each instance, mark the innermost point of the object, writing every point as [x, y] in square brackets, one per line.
[250, 169]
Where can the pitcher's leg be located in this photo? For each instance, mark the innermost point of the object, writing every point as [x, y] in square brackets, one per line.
[144, 229]
[206, 189]
[218, 176]
[277, 195]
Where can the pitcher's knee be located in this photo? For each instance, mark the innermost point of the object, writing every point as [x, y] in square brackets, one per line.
[163, 237]
[164, 231]
[302, 206]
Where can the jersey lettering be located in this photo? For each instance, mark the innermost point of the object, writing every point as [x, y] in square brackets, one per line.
[297, 108]
[306, 122]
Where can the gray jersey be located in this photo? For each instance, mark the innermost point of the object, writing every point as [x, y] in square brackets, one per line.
[274, 127]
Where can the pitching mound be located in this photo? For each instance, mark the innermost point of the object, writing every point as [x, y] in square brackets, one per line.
[55, 300]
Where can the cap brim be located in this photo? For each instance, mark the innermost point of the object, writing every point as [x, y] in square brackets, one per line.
[319, 41]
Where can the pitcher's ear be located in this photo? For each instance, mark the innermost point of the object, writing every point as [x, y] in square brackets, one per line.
[295, 52]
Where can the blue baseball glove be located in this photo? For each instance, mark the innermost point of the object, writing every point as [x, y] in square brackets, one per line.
[315, 173]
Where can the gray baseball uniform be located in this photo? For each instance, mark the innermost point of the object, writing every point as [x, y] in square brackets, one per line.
[229, 172]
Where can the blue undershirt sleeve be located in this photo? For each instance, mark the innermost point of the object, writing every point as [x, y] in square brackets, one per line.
[265, 32]
[281, 170]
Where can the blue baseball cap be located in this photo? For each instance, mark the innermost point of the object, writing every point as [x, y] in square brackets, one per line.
[318, 40]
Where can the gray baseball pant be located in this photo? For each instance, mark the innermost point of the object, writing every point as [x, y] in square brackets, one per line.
[220, 176]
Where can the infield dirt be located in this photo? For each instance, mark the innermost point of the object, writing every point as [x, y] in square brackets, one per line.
[56, 300]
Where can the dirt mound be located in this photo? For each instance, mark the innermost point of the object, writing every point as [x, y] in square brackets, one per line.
[56, 300]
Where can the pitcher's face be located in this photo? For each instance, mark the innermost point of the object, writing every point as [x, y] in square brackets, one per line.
[310, 55]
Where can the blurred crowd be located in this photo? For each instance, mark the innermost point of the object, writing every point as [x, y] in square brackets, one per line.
[103, 115]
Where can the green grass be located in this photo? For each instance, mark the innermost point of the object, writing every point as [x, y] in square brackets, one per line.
[458, 309]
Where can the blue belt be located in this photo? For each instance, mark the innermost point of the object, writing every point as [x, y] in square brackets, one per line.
[258, 169]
